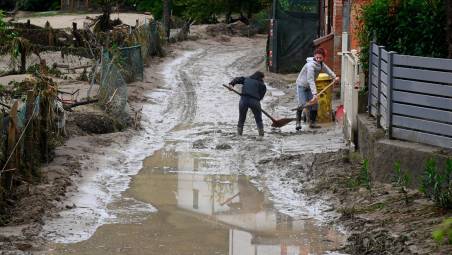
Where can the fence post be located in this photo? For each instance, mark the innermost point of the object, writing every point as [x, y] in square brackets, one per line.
[29, 148]
[12, 130]
[344, 49]
[369, 84]
[390, 91]
[379, 86]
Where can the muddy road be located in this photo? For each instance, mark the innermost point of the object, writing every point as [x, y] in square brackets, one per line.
[186, 184]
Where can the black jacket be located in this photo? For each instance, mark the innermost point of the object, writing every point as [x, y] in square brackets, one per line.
[251, 88]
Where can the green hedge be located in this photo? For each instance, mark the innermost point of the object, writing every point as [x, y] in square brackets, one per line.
[411, 27]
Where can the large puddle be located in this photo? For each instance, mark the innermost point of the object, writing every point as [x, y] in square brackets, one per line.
[204, 213]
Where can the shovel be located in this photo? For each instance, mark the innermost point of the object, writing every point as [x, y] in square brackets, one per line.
[301, 107]
[275, 123]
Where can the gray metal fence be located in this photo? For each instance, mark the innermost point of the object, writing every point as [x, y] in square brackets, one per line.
[411, 96]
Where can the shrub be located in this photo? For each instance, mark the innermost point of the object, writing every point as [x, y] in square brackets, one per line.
[411, 27]
[437, 184]
[260, 21]
[37, 5]
[443, 233]
[402, 180]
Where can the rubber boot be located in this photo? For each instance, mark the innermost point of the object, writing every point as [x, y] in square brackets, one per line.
[298, 120]
[313, 118]
[261, 131]
[298, 125]
[239, 130]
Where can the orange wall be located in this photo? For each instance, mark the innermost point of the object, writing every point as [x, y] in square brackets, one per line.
[354, 23]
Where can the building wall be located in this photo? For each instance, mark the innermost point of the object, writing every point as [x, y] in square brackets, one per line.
[331, 21]
[354, 23]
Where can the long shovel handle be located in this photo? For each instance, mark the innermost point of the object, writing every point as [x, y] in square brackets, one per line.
[240, 94]
[233, 90]
[318, 94]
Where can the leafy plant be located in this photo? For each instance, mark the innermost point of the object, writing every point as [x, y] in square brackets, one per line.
[437, 184]
[412, 27]
[443, 233]
[402, 180]
[37, 5]
[364, 176]
[363, 179]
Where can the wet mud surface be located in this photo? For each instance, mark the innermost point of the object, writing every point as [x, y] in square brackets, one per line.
[201, 180]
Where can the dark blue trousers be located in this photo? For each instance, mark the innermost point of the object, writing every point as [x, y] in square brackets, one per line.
[255, 106]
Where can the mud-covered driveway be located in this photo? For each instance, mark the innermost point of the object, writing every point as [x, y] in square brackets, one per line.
[187, 184]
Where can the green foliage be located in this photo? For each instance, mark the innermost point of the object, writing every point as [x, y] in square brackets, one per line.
[260, 20]
[36, 69]
[299, 6]
[402, 179]
[437, 184]
[411, 27]
[443, 233]
[5, 36]
[200, 10]
[38, 5]
[363, 179]
[153, 6]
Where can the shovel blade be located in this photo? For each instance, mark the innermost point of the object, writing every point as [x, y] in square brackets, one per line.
[282, 122]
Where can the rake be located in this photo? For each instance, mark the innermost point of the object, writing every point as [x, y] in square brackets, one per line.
[275, 123]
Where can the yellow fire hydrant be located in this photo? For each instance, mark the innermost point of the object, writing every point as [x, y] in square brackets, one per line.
[325, 112]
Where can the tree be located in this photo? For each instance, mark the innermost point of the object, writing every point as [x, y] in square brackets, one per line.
[166, 17]
[449, 26]
[106, 6]
[37, 5]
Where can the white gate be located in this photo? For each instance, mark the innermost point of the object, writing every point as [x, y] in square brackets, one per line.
[350, 84]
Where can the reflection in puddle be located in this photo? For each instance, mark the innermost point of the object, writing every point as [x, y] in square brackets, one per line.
[201, 213]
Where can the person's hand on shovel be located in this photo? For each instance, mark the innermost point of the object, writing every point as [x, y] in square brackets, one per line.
[313, 101]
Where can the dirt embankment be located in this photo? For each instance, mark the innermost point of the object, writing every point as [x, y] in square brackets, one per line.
[378, 219]
[88, 130]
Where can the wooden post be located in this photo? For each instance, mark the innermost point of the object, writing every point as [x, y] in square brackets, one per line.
[29, 148]
[43, 67]
[12, 130]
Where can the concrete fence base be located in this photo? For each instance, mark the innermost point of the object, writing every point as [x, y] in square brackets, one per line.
[382, 153]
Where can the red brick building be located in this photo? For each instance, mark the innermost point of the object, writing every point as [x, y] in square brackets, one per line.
[337, 16]
[331, 27]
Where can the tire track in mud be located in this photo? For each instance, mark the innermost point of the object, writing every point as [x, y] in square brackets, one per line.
[214, 64]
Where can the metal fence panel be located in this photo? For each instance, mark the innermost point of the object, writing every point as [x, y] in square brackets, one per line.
[422, 87]
[422, 112]
[411, 96]
[113, 89]
[422, 75]
[415, 136]
[423, 62]
[423, 100]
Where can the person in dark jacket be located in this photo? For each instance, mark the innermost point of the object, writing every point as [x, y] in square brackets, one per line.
[253, 91]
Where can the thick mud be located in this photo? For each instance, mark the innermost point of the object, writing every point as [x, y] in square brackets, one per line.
[201, 189]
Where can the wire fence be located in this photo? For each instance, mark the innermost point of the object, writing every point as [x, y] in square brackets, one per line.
[31, 127]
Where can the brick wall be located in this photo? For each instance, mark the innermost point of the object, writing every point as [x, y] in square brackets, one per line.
[332, 42]
[354, 23]
[327, 42]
